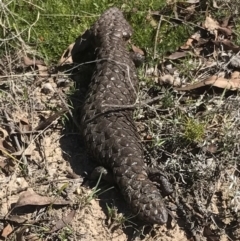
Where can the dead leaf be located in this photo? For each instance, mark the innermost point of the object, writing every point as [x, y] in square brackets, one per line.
[225, 21]
[33, 237]
[188, 45]
[26, 152]
[170, 80]
[29, 62]
[42, 70]
[24, 121]
[14, 218]
[66, 57]
[227, 45]
[177, 55]
[225, 31]
[137, 55]
[24, 126]
[30, 198]
[212, 26]
[137, 50]
[72, 174]
[220, 82]
[64, 221]
[192, 1]
[6, 231]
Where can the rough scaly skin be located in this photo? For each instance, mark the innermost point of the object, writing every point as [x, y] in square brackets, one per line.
[111, 136]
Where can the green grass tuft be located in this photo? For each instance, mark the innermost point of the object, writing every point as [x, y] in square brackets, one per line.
[194, 131]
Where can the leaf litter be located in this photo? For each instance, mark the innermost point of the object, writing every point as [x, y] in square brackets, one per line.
[40, 154]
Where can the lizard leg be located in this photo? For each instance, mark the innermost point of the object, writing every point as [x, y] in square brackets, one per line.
[159, 177]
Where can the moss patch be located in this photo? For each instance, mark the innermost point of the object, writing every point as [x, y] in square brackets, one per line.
[50, 26]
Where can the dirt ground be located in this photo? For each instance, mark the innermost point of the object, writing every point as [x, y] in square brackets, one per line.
[52, 157]
[43, 154]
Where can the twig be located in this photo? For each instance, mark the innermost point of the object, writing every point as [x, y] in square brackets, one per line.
[133, 106]
[49, 120]
[156, 37]
[177, 19]
[124, 107]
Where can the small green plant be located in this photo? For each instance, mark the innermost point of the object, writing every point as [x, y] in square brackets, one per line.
[237, 40]
[112, 212]
[159, 142]
[96, 191]
[25, 94]
[115, 218]
[194, 131]
[187, 67]
[167, 101]
[65, 233]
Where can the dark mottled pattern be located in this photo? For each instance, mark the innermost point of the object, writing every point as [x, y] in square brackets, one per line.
[111, 136]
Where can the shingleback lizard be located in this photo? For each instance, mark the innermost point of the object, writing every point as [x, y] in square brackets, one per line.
[111, 136]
